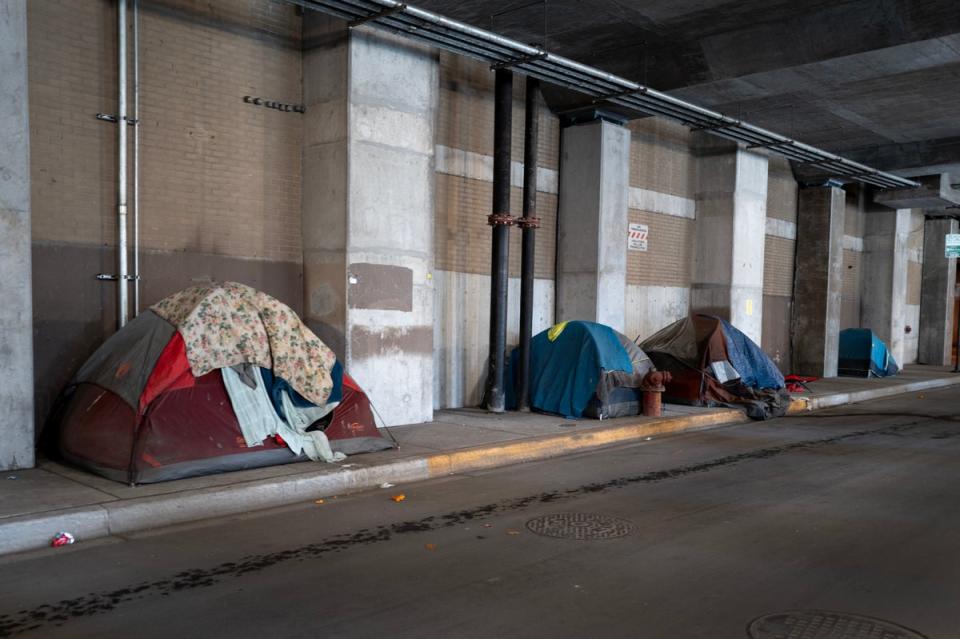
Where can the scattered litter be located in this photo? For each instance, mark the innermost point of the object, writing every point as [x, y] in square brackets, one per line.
[921, 397]
[398, 498]
[387, 484]
[12, 477]
[62, 539]
[649, 438]
[577, 586]
[513, 532]
[488, 525]
[347, 465]
[319, 501]
[430, 546]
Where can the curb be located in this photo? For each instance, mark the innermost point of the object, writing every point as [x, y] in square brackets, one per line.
[123, 516]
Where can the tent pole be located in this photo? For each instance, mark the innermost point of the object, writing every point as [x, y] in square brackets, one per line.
[501, 221]
[528, 223]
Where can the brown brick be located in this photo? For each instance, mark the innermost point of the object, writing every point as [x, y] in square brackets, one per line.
[668, 257]
[218, 175]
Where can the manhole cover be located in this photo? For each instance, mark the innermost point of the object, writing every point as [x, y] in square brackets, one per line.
[581, 526]
[823, 624]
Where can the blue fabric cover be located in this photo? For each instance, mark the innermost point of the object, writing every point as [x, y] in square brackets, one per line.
[564, 373]
[276, 385]
[861, 350]
[755, 368]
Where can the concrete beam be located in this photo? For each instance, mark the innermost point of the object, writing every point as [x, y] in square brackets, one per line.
[818, 283]
[934, 192]
[16, 290]
[592, 223]
[937, 294]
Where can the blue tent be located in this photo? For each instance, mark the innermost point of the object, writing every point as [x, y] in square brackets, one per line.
[863, 354]
[755, 368]
[567, 364]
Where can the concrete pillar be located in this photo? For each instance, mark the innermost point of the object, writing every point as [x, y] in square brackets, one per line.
[368, 209]
[936, 296]
[16, 313]
[818, 281]
[730, 235]
[592, 223]
[884, 276]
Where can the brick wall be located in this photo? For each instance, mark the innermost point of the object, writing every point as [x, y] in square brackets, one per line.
[778, 259]
[218, 176]
[465, 123]
[668, 258]
[660, 157]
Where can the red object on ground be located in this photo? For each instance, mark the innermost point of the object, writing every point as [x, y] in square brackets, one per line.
[798, 383]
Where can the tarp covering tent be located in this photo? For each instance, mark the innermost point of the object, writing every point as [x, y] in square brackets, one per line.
[863, 354]
[583, 369]
[714, 364]
[183, 389]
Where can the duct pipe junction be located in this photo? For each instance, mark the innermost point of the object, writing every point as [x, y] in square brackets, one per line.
[501, 221]
[528, 223]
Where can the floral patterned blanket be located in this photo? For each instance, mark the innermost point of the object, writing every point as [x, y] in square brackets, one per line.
[228, 324]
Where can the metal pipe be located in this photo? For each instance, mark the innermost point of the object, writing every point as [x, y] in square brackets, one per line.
[528, 224]
[122, 284]
[136, 157]
[501, 221]
[548, 67]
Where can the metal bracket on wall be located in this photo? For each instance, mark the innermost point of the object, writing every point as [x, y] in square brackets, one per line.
[506, 64]
[389, 11]
[110, 277]
[106, 117]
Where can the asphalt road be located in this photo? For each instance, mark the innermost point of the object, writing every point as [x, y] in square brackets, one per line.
[854, 509]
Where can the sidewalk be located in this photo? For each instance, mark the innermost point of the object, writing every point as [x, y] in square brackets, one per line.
[35, 504]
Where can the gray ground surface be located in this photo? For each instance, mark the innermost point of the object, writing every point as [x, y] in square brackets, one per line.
[853, 509]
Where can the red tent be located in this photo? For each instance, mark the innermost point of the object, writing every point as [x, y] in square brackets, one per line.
[137, 413]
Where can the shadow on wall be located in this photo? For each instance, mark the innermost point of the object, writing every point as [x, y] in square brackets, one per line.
[73, 312]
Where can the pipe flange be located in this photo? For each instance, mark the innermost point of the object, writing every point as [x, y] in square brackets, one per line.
[528, 222]
[501, 219]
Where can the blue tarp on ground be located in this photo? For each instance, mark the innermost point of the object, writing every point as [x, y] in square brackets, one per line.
[564, 372]
[863, 354]
[755, 368]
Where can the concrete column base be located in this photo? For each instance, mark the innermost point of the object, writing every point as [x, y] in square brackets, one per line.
[937, 294]
[368, 210]
[16, 277]
[730, 236]
[592, 223]
[818, 282]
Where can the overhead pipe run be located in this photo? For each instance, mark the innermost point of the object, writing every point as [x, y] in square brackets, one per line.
[528, 223]
[502, 52]
[501, 221]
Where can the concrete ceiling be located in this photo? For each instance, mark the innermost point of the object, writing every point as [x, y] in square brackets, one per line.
[878, 80]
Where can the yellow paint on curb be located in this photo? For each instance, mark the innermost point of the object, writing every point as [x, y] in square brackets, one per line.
[491, 456]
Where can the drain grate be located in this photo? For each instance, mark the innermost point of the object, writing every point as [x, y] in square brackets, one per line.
[824, 624]
[580, 526]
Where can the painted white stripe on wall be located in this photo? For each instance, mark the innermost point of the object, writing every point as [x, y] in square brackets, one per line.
[477, 166]
[663, 203]
[851, 243]
[915, 255]
[781, 228]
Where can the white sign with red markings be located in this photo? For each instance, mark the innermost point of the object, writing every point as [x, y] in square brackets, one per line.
[637, 237]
